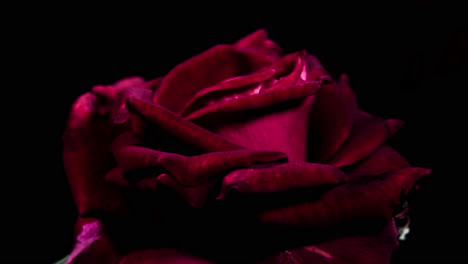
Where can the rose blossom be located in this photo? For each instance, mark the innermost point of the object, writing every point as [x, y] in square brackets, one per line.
[240, 154]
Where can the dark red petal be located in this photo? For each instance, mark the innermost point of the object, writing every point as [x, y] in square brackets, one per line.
[92, 245]
[330, 123]
[117, 175]
[385, 159]
[281, 177]
[115, 97]
[206, 69]
[286, 71]
[192, 177]
[162, 256]
[281, 127]
[357, 249]
[393, 125]
[191, 171]
[296, 76]
[258, 42]
[87, 157]
[256, 101]
[206, 95]
[183, 129]
[367, 134]
[196, 196]
[349, 202]
[348, 93]
[153, 84]
[314, 68]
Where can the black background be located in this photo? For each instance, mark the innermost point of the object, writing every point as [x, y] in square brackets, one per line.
[404, 62]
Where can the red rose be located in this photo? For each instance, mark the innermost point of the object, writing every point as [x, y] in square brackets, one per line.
[240, 154]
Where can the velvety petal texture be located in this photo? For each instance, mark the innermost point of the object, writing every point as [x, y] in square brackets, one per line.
[239, 143]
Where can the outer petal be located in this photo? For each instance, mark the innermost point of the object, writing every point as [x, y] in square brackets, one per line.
[183, 129]
[349, 202]
[92, 245]
[281, 177]
[185, 174]
[384, 160]
[314, 68]
[330, 123]
[87, 158]
[258, 42]
[191, 171]
[212, 66]
[368, 133]
[115, 96]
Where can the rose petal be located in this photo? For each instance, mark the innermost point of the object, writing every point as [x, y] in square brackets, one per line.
[153, 84]
[258, 42]
[281, 177]
[385, 159]
[229, 85]
[296, 76]
[349, 202]
[191, 171]
[282, 127]
[87, 158]
[363, 249]
[314, 68]
[256, 101]
[206, 69]
[116, 96]
[367, 134]
[393, 125]
[162, 256]
[348, 93]
[92, 245]
[183, 129]
[330, 122]
[192, 177]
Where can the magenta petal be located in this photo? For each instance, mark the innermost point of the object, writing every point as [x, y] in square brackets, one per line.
[347, 92]
[115, 96]
[296, 76]
[393, 125]
[359, 249]
[162, 256]
[183, 129]
[331, 122]
[282, 128]
[258, 42]
[92, 245]
[87, 158]
[196, 196]
[192, 177]
[349, 202]
[281, 177]
[191, 171]
[314, 68]
[260, 100]
[367, 134]
[227, 86]
[153, 84]
[206, 69]
[385, 159]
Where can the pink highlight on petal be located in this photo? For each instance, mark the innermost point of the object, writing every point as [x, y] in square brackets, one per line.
[319, 251]
[90, 232]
